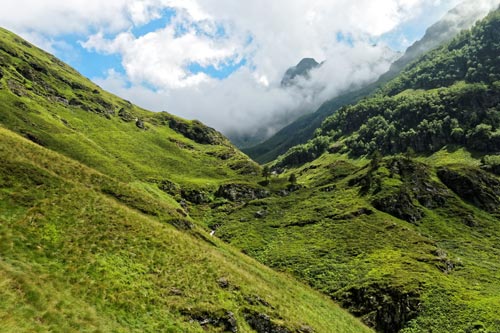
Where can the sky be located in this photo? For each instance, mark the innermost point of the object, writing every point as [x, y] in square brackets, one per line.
[221, 61]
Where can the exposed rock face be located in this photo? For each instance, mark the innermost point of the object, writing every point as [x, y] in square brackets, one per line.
[262, 323]
[240, 192]
[195, 196]
[125, 115]
[399, 205]
[222, 319]
[196, 131]
[418, 190]
[140, 124]
[427, 192]
[301, 70]
[168, 187]
[385, 308]
[473, 185]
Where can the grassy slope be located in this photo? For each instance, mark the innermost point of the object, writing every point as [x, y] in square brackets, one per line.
[87, 242]
[49, 102]
[392, 241]
[442, 271]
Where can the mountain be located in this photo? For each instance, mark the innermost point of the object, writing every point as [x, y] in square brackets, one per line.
[104, 216]
[302, 69]
[114, 218]
[393, 208]
[301, 130]
[290, 79]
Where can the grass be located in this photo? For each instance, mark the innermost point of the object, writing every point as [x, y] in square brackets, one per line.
[89, 240]
[76, 259]
[329, 235]
[98, 235]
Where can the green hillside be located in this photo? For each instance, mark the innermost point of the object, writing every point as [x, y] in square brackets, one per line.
[116, 219]
[303, 129]
[98, 227]
[393, 208]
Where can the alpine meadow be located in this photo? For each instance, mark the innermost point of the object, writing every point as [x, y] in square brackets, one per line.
[378, 212]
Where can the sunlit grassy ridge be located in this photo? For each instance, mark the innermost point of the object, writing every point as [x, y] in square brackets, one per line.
[50, 103]
[437, 271]
[76, 259]
[95, 232]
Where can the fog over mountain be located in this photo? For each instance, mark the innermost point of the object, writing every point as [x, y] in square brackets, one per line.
[222, 62]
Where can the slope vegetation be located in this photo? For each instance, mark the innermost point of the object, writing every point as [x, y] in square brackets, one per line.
[393, 207]
[303, 129]
[98, 228]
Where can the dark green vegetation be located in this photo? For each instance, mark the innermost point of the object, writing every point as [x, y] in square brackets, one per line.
[410, 245]
[99, 228]
[450, 96]
[395, 212]
[300, 131]
[392, 209]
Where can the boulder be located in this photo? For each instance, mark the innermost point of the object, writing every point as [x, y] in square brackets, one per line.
[262, 323]
[140, 124]
[125, 115]
[221, 319]
[195, 196]
[260, 214]
[240, 192]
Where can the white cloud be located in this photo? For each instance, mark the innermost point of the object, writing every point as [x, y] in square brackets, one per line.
[246, 102]
[270, 35]
[161, 58]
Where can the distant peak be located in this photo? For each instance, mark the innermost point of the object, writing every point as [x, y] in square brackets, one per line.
[302, 69]
[308, 62]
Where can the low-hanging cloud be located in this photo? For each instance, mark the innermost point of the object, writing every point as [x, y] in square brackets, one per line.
[247, 104]
[264, 37]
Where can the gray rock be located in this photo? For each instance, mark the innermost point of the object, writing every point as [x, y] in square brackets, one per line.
[240, 192]
[260, 214]
[140, 124]
[262, 323]
[223, 282]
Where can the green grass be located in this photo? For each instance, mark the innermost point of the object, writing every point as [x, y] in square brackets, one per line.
[97, 234]
[74, 258]
[322, 238]
[89, 239]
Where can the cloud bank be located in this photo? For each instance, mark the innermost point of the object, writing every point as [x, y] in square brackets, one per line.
[221, 61]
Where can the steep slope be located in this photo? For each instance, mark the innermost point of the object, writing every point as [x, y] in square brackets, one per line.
[449, 96]
[460, 18]
[409, 241]
[77, 256]
[51, 104]
[98, 206]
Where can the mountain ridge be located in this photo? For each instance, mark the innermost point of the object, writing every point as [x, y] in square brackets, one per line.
[303, 129]
[99, 222]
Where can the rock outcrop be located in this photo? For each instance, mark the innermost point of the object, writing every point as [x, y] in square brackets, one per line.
[240, 192]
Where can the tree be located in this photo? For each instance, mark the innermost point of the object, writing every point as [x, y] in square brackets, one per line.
[410, 152]
[266, 172]
[292, 179]
[376, 158]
